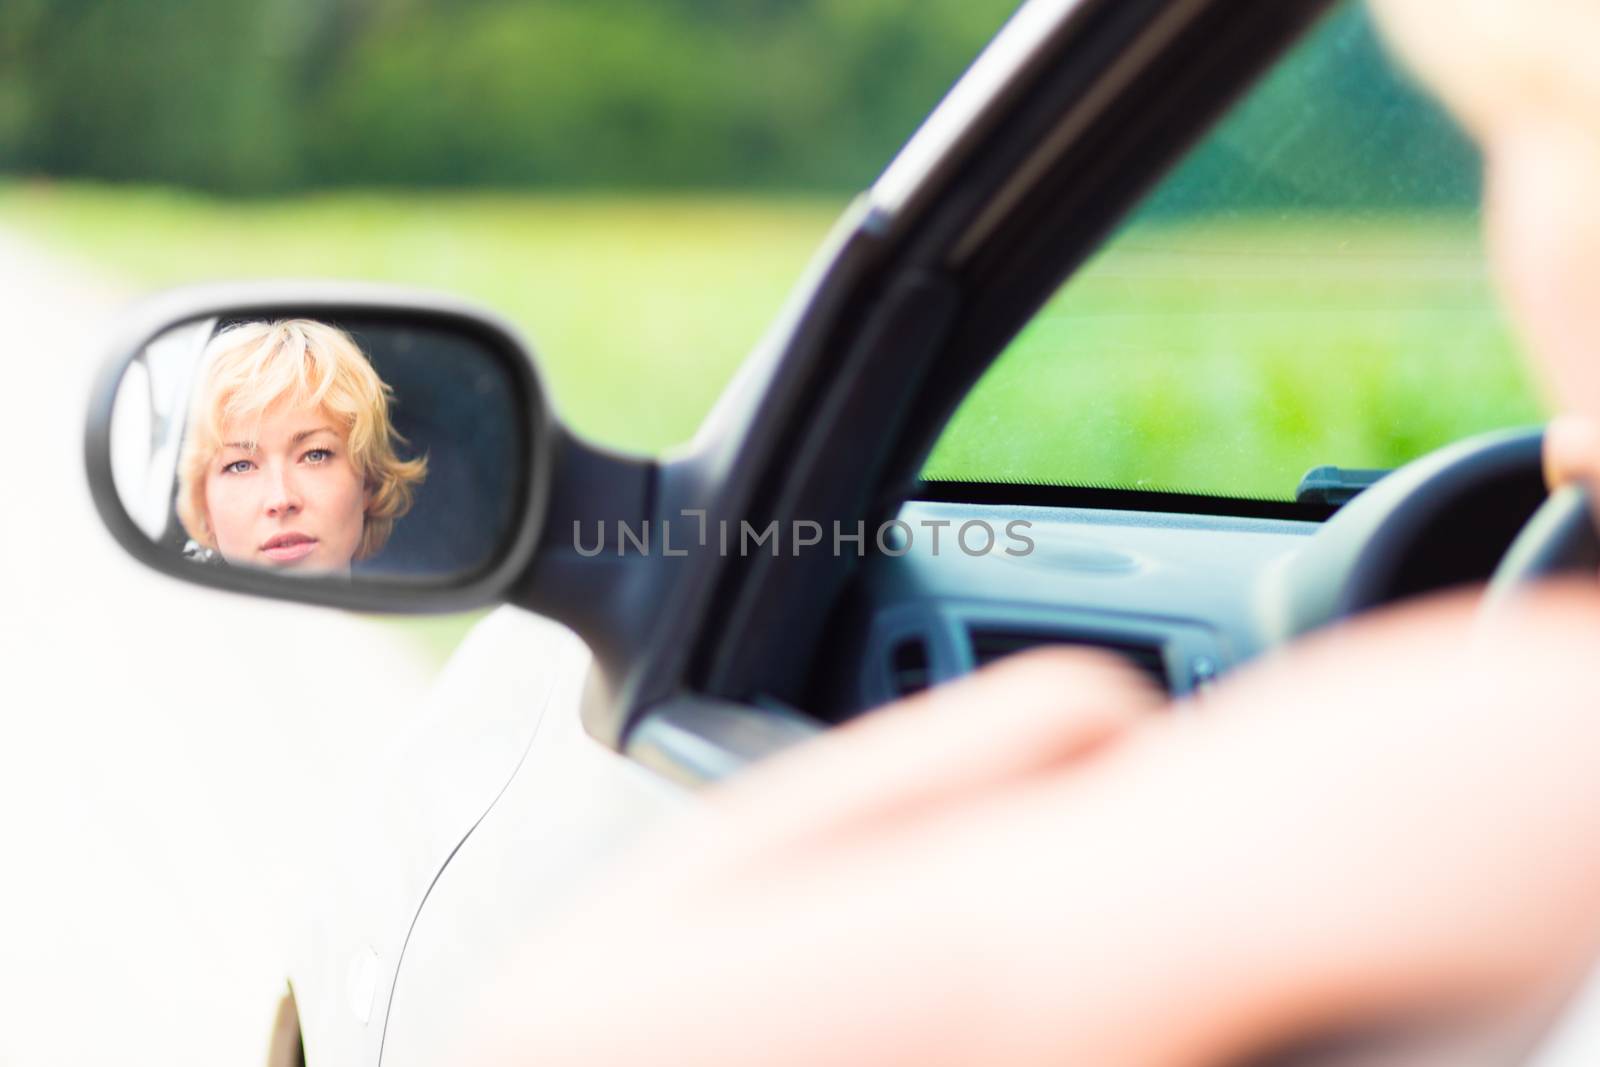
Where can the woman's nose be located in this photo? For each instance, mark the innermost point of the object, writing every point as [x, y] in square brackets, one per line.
[283, 498]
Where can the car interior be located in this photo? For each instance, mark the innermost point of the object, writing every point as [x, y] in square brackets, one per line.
[1211, 566]
[1183, 595]
[1033, 303]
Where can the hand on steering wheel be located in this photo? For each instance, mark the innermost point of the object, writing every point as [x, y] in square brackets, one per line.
[1561, 538]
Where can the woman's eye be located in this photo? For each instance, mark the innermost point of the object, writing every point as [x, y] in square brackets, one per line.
[318, 455]
[238, 466]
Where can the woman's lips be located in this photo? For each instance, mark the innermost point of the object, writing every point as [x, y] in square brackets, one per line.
[287, 548]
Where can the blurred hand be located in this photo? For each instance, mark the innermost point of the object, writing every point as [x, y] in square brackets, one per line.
[1572, 455]
[1030, 868]
[1572, 452]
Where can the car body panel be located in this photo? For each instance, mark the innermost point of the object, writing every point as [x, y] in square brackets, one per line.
[570, 806]
[427, 790]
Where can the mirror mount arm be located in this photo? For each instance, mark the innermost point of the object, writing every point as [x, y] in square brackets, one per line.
[587, 572]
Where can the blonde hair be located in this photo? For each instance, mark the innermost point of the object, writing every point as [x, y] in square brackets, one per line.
[1497, 61]
[250, 367]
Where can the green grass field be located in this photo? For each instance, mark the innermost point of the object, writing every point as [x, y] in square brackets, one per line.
[1219, 357]
[639, 308]
[1230, 358]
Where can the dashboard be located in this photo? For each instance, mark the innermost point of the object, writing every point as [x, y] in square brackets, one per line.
[1183, 597]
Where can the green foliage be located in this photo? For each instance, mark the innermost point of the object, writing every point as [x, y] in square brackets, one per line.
[1230, 357]
[640, 308]
[246, 96]
[257, 96]
[639, 94]
[166, 90]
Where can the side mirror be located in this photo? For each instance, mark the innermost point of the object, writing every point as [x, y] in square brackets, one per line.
[365, 447]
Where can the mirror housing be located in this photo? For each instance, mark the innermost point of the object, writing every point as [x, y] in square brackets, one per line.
[432, 331]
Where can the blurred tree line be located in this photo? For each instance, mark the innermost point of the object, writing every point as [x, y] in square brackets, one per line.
[256, 96]
[266, 96]
[1335, 125]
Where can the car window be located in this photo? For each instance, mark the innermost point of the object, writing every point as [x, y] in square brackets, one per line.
[1308, 288]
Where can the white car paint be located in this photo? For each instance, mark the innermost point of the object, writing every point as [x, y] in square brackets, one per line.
[499, 794]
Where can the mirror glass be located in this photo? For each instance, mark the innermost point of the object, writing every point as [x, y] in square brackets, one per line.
[330, 448]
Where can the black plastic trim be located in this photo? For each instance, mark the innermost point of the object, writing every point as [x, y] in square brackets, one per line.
[850, 427]
[1073, 496]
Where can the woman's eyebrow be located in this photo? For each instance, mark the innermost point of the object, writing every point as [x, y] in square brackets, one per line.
[303, 434]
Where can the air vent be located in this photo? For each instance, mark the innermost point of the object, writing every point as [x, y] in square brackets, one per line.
[908, 667]
[991, 645]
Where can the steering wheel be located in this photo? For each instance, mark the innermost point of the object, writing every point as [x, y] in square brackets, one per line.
[1442, 521]
[1560, 539]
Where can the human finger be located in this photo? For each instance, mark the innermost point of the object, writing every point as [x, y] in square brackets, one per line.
[1028, 713]
[1571, 451]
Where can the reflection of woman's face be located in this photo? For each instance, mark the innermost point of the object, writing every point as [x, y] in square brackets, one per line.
[282, 493]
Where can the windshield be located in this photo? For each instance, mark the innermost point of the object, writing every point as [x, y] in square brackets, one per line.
[1308, 289]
